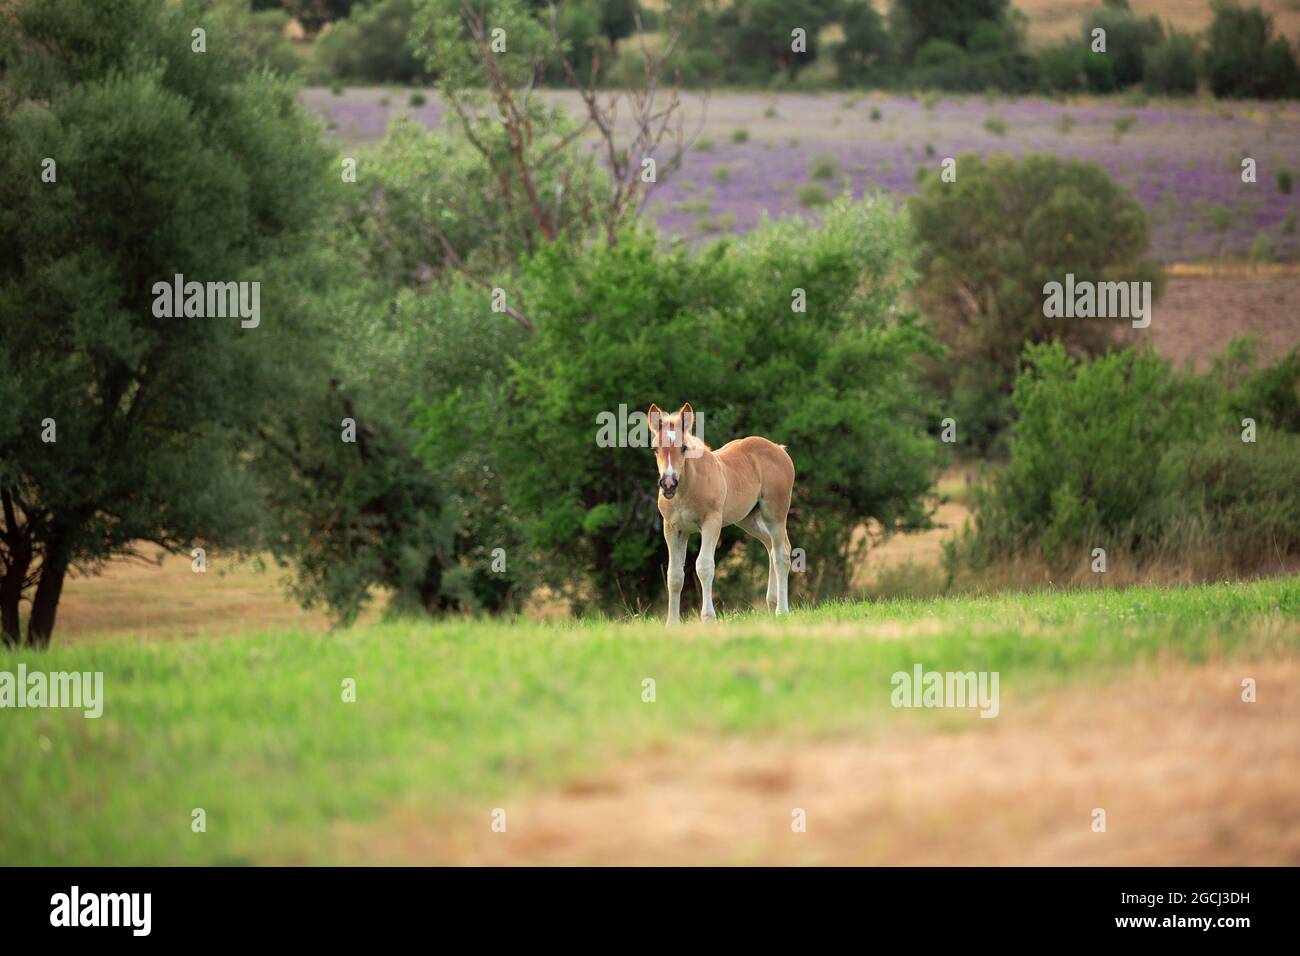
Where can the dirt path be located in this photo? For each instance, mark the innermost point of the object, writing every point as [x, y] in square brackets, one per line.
[1186, 772]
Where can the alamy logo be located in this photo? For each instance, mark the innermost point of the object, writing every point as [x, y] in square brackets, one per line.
[74, 689]
[103, 909]
[923, 688]
[622, 429]
[1098, 300]
[208, 300]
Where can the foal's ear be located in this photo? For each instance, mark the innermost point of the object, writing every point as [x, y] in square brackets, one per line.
[688, 418]
[653, 416]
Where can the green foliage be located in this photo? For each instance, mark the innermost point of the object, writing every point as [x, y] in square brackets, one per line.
[824, 166]
[989, 242]
[372, 45]
[422, 183]
[314, 14]
[1128, 39]
[629, 324]
[1244, 59]
[1162, 472]
[167, 162]
[1171, 66]
[867, 52]
[617, 19]
[1062, 68]
[812, 195]
[750, 42]
[915, 23]
[996, 63]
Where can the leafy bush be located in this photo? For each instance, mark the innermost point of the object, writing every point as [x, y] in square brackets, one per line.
[1061, 68]
[262, 37]
[421, 181]
[916, 23]
[867, 51]
[1244, 59]
[1170, 68]
[824, 167]
[944, 65]
[812, 195]
[372, 45]
[1128, 38]
[989, 242]
[631, 323]
[1163, 471]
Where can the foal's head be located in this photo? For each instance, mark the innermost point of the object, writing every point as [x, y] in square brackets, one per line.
[668, 439]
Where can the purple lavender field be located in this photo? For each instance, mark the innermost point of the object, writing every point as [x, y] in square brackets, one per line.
[781, 154]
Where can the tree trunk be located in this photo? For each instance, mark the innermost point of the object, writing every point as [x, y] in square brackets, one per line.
[18, 562]
[54, 567]
[11, 592]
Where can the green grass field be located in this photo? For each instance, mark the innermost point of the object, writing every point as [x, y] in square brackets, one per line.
[455, 716]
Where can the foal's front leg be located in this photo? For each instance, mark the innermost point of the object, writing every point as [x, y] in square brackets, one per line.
[676, 570]
[709, 533]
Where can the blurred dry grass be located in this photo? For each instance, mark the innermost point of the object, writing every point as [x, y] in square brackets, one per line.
[1186, 772]
[168, 600]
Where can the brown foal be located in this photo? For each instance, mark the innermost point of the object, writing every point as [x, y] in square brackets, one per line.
[746, 482]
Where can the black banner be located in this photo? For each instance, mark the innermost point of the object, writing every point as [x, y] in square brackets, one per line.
[334, 906]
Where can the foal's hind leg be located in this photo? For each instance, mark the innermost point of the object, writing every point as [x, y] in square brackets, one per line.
[772, 515]
[753, 525]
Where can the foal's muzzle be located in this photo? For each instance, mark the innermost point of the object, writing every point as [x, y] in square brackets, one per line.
[668, 486]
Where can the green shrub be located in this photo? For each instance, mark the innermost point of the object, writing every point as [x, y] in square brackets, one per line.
[372, 45]
[1261, 249]
[866, 54]
[740, 136]
[420, 178]
[1061, 68]
[989, 242]
[1170, 68]
[941, 64]
[1244, 59]
[834, 384]
[264, 41]
[1128, 39]
[811, 195]
[1284, 181]
[996, 125]
[1163, 472]
[824, 166]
